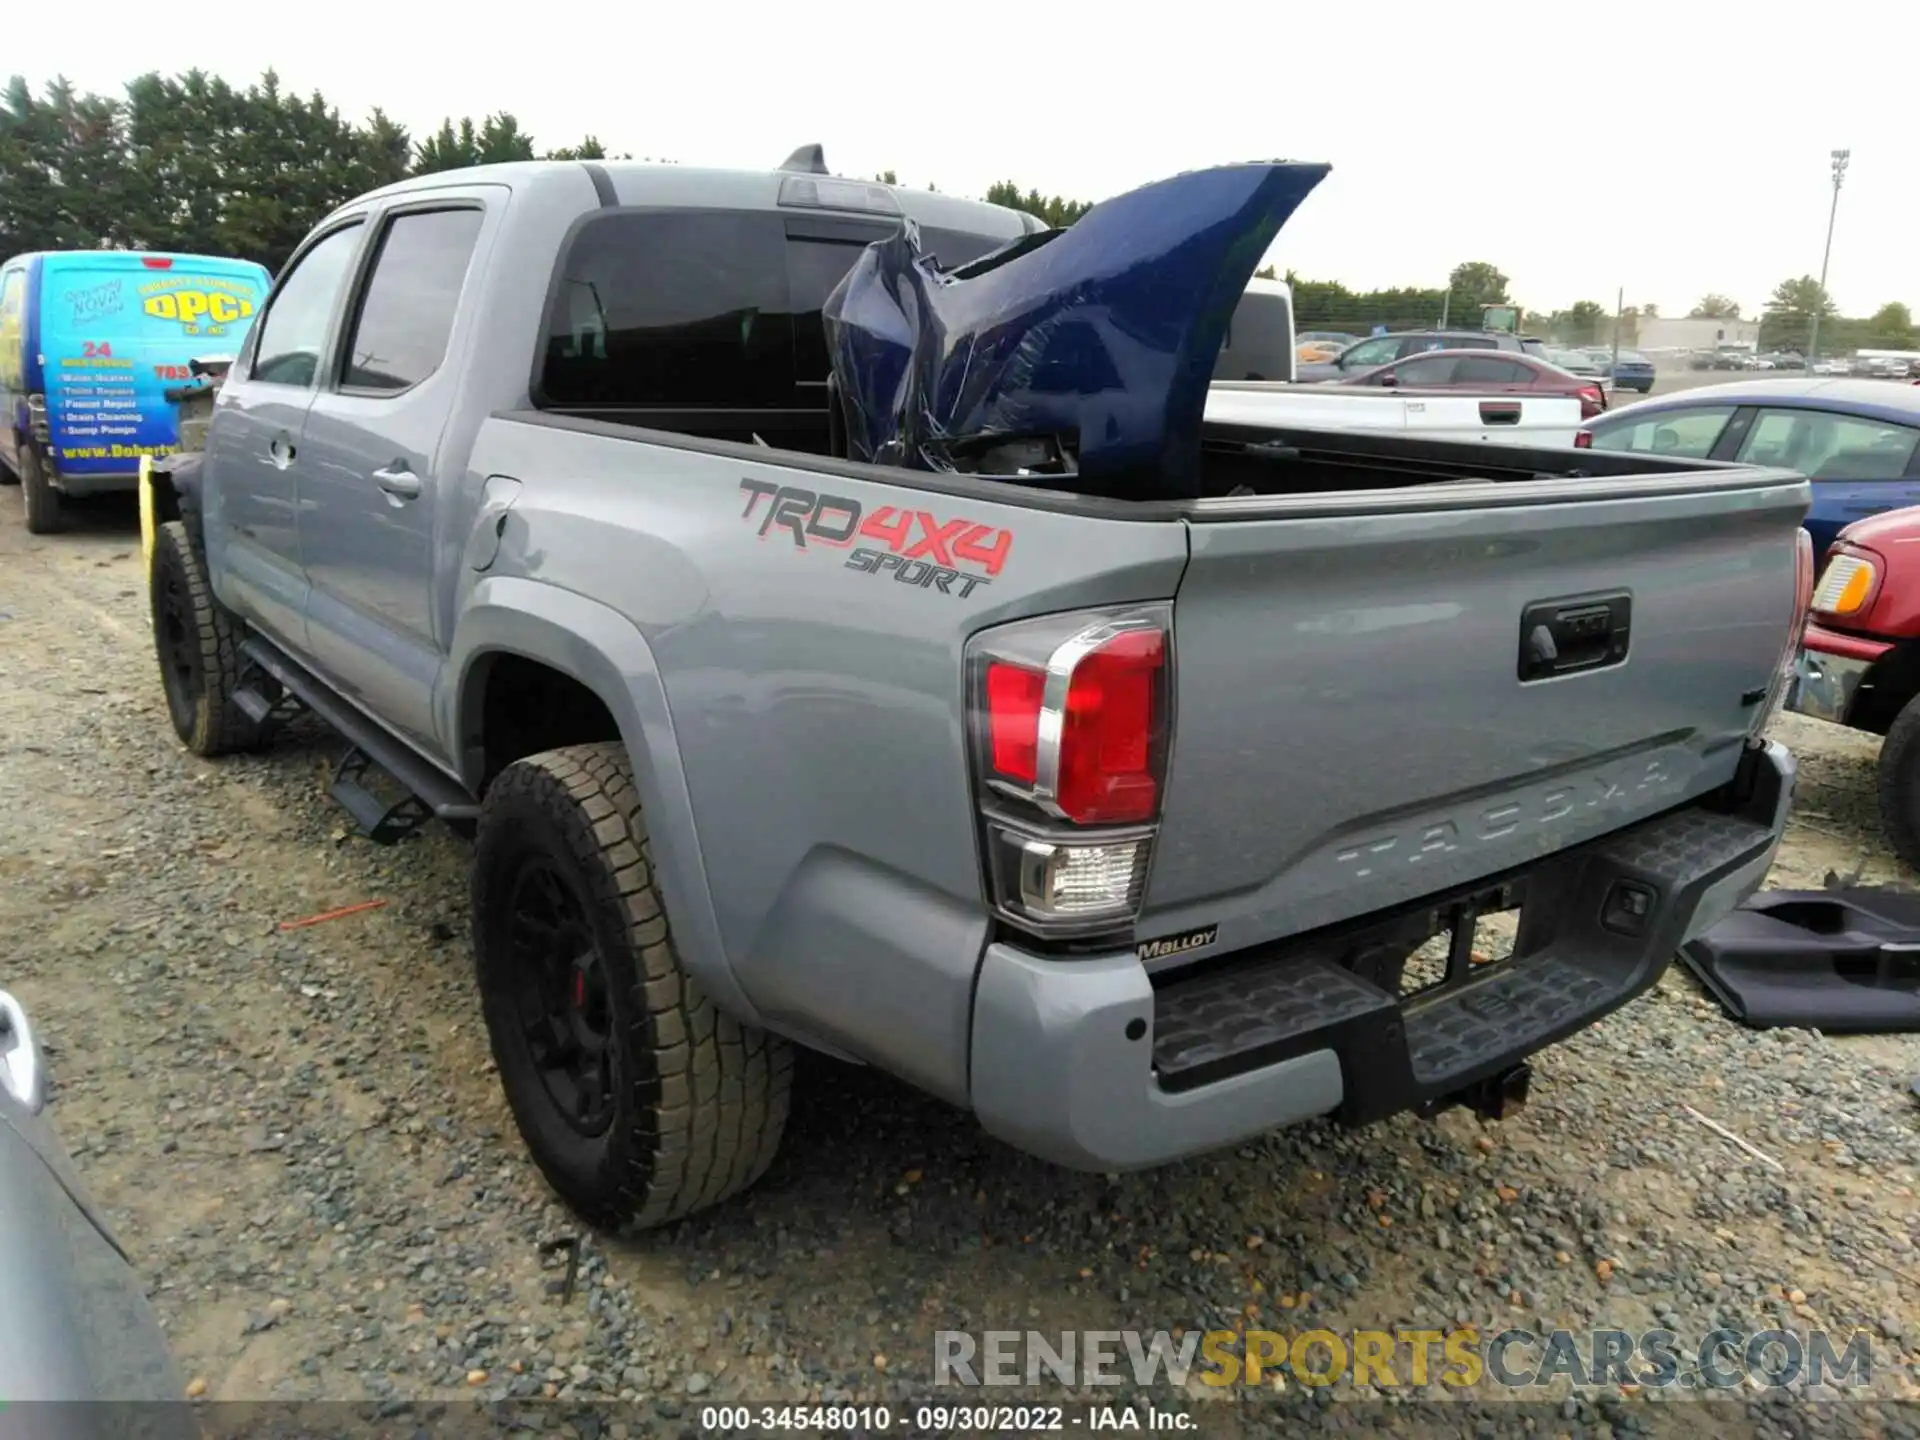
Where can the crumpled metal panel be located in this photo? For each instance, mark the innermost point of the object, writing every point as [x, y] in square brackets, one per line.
[1101, 337]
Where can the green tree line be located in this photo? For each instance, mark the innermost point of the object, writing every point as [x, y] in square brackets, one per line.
[192, 163]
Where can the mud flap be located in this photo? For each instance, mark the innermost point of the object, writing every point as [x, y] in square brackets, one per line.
[149, 524]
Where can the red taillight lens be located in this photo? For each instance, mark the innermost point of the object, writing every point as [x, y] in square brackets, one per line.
[1101, 765]
[157, 262]
[1583, 439]
[1106, 734]
[1013, 719]
[1070, 727]
[1592, 402]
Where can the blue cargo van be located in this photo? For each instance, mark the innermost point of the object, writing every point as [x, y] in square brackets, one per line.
[90, 341]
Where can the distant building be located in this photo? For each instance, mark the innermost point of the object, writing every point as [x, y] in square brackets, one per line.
[1687, 334]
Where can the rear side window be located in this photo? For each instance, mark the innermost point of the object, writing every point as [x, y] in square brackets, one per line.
[671, 308]
[295, 330]
[1686, 434]
[1491, 370]
[1824, 445]
[1434, 370]
[400, 334]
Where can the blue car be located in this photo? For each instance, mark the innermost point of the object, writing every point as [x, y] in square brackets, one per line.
[1632, 371]
[1858, 441]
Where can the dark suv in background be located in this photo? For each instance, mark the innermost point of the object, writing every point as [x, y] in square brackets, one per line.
[1385, 349]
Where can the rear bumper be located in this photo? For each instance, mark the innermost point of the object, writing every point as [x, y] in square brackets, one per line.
[1086, 1062]
[81, 485]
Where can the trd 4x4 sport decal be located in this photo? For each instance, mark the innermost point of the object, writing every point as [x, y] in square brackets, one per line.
[954, 557]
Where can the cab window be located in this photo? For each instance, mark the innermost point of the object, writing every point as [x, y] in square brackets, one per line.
[399, 337]
[295, 328]
[1685, 434]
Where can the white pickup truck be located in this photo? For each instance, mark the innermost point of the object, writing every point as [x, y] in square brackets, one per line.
[1549, 420]
[1261, 343]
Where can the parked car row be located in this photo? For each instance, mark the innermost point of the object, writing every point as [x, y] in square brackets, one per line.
[1857, 441]
[1486, 374]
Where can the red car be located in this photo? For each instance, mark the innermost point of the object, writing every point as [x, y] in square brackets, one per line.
[1484, 372]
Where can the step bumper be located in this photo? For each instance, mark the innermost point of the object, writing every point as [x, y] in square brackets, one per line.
[1092, 1064]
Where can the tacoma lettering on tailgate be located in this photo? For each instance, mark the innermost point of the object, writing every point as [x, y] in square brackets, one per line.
[1442, 837]
[915, 547]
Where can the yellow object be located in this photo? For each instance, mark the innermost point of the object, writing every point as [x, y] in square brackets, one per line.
[148, 525]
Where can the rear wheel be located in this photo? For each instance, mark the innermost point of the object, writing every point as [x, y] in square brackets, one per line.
[1900, 784]
[46, 515]
[639, 1100]
[198, 645]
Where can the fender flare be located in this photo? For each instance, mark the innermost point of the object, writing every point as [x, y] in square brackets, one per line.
[604, 651]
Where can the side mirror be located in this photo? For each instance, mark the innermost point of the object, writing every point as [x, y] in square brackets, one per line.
[23, 1073]
[1389, 379]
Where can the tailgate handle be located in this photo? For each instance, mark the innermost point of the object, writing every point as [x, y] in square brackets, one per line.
[1563, 637]
[1499, 412]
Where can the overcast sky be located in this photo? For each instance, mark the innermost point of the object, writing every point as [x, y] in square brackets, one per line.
[1672, 149]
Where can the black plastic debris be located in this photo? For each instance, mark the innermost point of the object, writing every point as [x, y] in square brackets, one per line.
[1844, 960]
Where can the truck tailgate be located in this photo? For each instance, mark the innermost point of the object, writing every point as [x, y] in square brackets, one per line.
[1351, 725]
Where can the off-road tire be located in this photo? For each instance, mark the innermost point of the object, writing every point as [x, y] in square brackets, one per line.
[1899, 784]
[699, 1100]
[46, 512]
[198, 678]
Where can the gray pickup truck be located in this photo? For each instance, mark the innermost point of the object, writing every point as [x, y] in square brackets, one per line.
[1114, 819]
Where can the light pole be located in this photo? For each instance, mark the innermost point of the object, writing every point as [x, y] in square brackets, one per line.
[1840, 158]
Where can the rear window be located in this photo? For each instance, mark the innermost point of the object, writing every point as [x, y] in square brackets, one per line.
[704, 309]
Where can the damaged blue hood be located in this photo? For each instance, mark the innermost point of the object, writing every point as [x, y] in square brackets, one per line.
[1095, 344]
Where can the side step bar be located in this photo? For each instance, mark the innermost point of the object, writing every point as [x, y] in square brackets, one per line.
[431, 794]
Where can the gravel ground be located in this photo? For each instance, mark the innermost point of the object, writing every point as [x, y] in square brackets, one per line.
[301, 1136]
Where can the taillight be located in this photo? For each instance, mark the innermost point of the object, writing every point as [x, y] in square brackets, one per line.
[1847, 585]
[1592, 402]
[1070, 723]
[1583, 439]
[157, 262]
[1796, 635]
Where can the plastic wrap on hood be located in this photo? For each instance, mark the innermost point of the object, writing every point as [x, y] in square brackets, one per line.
[1099, 339]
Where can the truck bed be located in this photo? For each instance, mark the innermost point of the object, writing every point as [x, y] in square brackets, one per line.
[1353, 729]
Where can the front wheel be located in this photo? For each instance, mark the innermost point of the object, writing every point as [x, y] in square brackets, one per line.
[639, 1100]
[198, 645]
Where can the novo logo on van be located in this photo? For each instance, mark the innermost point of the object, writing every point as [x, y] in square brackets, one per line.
[202, 305]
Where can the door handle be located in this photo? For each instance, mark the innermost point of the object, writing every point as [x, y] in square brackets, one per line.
[1499, 412]
[399, 482]
[280, 451]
